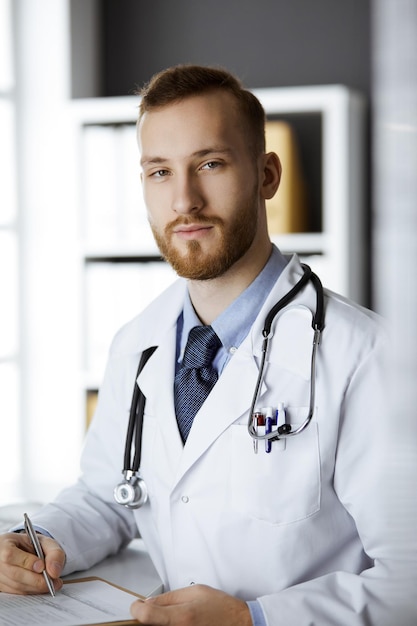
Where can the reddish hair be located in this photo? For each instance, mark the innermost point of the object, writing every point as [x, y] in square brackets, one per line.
[183, 81]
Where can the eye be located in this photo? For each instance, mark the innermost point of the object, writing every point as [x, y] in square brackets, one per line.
[158, 174]
[211, 165]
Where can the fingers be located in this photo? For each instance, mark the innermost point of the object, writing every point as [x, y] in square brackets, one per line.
[179, 596]
[18, 565]
[149, 614]
[16, 549]
[173, 608]
[54, 556]
[158, 610]
[21, 570]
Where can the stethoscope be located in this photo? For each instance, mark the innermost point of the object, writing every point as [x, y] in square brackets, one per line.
[132, 491]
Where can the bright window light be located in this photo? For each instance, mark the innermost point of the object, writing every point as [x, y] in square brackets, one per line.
[6, 66]
[9, 318]
[7, 163]
[9, 441]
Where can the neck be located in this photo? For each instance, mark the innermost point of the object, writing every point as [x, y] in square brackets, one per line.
[211, 297]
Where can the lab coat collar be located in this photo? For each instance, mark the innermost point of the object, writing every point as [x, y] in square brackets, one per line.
[153, 324]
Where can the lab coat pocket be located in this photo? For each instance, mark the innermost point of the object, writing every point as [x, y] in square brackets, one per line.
[280, 487]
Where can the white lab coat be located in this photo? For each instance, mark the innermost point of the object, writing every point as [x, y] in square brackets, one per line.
[322, 530]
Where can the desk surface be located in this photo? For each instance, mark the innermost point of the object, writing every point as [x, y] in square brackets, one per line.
[131, 568]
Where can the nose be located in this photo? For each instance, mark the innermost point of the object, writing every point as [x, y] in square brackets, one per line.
[187, 194]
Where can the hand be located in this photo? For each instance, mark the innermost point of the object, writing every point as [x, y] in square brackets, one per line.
[197, 605]
[21, 570]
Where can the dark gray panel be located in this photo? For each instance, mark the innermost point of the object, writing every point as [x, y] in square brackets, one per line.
[265, 42]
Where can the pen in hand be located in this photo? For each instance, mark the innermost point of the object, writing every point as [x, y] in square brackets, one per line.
[39, 552]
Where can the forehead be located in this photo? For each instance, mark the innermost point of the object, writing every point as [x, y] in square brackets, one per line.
[191, 124]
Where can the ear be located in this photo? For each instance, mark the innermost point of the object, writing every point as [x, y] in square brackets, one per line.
[271, 170]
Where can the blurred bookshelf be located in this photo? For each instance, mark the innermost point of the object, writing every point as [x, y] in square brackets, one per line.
[318, 211]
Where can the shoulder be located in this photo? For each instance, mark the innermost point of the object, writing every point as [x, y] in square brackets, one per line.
[352, 325]
[351, 312]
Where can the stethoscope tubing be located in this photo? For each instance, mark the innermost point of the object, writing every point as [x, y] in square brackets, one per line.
[317, 325]
[135, 425]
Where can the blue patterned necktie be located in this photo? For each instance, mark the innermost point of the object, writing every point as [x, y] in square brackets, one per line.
[196, 376]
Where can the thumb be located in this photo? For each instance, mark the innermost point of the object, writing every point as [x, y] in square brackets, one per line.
[54, 556]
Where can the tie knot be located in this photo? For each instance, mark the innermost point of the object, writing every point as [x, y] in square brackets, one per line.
[202, 345]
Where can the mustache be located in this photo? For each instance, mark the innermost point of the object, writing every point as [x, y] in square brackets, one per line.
[186, 220]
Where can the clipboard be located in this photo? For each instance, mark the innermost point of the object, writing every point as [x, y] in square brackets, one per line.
[90, 601]
[97, 578]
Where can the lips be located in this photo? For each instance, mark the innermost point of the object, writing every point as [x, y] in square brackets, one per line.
[191, 228]
[191, 231]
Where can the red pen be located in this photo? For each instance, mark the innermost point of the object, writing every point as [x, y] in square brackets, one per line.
[258, 420]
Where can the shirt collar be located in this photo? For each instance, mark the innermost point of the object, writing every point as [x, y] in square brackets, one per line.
[233, 324]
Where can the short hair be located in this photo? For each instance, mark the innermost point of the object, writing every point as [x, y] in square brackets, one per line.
[182, 81]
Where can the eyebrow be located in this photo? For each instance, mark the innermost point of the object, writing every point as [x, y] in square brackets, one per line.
[156, 160]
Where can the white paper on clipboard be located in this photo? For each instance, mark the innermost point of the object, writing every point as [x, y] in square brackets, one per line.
[83, 602]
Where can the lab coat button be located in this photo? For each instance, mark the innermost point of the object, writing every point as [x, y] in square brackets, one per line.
[185, 499]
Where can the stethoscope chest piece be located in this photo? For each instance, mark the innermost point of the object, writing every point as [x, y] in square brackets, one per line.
[132, 492]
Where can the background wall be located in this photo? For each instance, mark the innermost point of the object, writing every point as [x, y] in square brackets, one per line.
[268, 43]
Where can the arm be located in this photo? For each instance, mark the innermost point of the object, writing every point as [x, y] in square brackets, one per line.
[375, 469]
[84, 518]
[84, 524]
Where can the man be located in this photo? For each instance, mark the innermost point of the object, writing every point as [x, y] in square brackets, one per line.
[294, 537]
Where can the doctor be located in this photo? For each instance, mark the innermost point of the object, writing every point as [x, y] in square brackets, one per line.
[302, 535]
